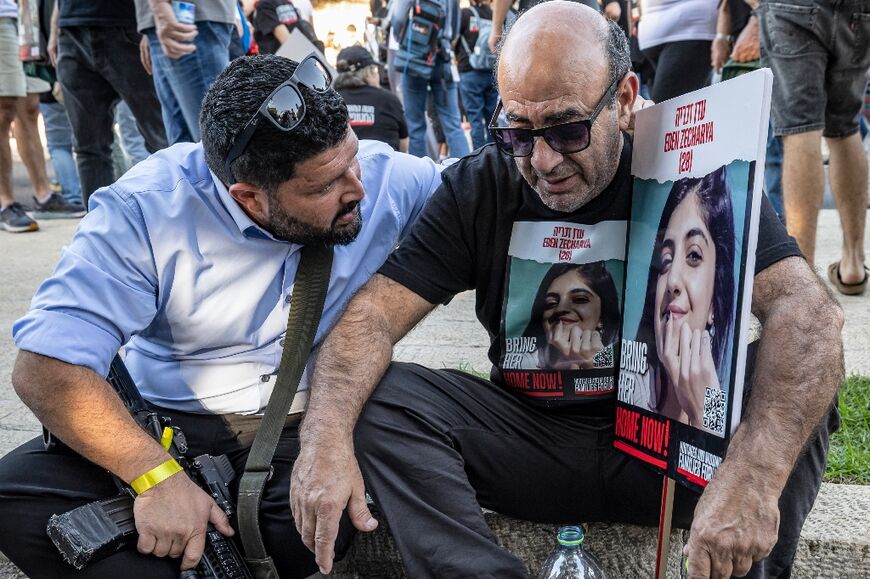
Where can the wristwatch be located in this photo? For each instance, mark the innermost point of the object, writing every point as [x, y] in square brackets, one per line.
[725, 37]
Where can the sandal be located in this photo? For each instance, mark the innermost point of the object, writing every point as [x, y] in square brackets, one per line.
[847, 289]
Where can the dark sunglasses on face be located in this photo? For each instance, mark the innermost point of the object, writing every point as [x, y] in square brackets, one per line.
[284, 107]
[564, 138]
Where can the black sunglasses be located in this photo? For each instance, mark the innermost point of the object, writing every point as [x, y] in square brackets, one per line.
[284, 107]
[564, 138]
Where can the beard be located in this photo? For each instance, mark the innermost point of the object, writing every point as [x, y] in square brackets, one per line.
[285, 227]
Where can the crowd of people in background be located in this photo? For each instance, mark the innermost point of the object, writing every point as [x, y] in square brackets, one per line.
[117, 80]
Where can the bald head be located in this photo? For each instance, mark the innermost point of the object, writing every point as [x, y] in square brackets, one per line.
[556, 37]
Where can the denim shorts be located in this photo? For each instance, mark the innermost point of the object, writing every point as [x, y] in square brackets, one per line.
[819, 51]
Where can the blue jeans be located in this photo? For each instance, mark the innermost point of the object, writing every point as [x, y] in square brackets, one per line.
[479, 98]
[182, 83]
[446, 96]
[132, 143]
[59, 141]
[773, 173]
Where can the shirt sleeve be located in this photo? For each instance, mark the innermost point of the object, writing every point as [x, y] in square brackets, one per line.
[400, 17]
[434, 261]
[102, 291]
[774, 244]
[266, 17]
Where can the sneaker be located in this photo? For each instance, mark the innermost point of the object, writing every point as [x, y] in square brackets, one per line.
[15, 220]
[56, 208]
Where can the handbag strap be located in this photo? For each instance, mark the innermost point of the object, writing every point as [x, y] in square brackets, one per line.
[306, 307]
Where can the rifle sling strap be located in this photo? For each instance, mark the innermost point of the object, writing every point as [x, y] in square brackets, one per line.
[306, 307]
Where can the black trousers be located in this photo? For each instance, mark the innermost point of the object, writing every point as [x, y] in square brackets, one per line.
[98, 66]
[680, 67]
[436, 445]
[35, 483]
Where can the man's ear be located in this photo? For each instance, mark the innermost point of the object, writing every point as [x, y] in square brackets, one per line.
[252, 200]
[625, 96]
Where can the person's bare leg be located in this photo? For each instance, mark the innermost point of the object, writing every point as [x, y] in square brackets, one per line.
[803, 188]
[30, 145]
[848, 175]
[7, 113]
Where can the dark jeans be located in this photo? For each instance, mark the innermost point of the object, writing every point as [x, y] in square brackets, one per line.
[98, 66]
[680, 67]
[479, 98]
[436, 445]
[34, 484]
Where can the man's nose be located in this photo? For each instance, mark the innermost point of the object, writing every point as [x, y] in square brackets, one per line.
[544, 158]
[353, 188]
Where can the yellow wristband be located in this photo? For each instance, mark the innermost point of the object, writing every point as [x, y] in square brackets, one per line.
[156, 475]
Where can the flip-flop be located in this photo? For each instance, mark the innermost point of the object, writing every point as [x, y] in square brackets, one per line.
[848, 289]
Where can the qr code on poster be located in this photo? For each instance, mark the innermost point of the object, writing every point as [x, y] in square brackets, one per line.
[714, 409]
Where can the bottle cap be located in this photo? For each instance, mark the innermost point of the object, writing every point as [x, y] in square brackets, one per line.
[571, 536]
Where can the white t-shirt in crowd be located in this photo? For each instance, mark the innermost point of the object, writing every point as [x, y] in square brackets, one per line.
[664, 21]
[8, 9]
[304, 8]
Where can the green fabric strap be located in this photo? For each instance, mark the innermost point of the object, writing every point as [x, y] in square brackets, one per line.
[306, 307]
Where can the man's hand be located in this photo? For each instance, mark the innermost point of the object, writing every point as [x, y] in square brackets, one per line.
[171, 518]
[719, 53]
[176, 38]
[640, 103]
[145, 54]
[53, 33]
[747, 47]
[326, 479]
[736, 523]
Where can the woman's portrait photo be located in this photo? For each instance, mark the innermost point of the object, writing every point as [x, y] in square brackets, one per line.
[575, 317]
[687, 317]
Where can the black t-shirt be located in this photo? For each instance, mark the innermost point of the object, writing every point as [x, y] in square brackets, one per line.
[469, 237]
[267, 15]
[375, 114]
[740, 13]
[96, 13]
[469, 32]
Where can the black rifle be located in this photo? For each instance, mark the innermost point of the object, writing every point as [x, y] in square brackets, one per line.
[98, 529]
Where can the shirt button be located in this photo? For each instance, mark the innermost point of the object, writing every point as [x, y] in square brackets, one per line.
[281, 342]
[287, 299]
[264, 378]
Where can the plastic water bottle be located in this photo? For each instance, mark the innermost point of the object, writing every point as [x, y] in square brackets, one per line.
[568, 560]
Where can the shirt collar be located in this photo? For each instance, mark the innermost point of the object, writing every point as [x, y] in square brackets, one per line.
[247, 226]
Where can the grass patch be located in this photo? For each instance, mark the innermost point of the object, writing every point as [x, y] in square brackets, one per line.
[849, 457]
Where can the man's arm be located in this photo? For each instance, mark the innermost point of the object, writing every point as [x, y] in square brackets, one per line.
[326, 478]
[797, 373]
[82, 409]
[721, 47]
[500, 10]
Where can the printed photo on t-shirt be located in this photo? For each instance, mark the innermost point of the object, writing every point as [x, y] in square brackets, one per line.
[562, 314]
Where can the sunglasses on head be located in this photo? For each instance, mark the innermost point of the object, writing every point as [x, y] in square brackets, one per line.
[284, 107]
[564, 138]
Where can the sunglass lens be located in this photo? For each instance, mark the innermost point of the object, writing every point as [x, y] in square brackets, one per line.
[514, 142]
[568, 138]
[313, 75]
[286, 107]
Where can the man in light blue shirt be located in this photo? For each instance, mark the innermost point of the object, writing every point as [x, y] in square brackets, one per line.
[189, 262]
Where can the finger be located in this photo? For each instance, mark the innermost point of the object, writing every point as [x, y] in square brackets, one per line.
[742, 565]
[586, 343]
[161, 548]
[324, 538]
[699, 564]
[597, 344]
[697, 375]
[720, 568]
[193, 551]
[575, 341]
[219, 519]
[685, 341]
[359, 513]
[176, 549]
[146, 543]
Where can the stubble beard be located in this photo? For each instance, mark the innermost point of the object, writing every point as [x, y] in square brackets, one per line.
[285, 227]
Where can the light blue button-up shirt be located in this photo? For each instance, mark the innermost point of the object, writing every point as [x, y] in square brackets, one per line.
[167, 263]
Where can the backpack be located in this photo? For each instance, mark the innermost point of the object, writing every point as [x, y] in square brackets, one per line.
[481, 58]
[420, 39]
